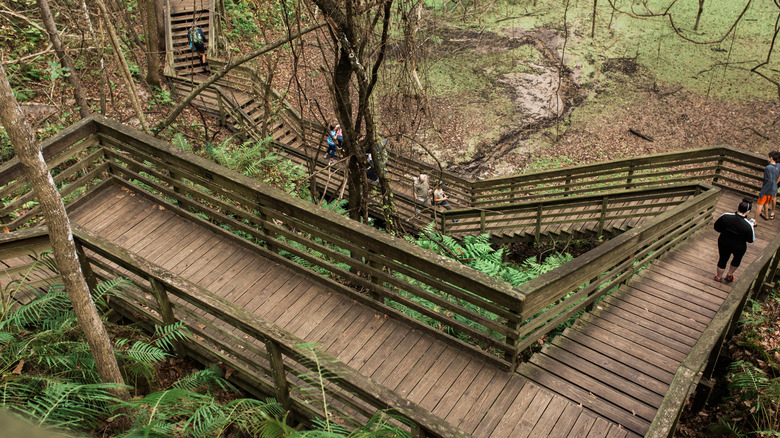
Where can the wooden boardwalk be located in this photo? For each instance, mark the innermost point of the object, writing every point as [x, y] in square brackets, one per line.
[605, 376]
[477, 397]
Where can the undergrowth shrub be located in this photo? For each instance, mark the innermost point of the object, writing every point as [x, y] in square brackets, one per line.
[258, 160]
[477, 253]
[751, 406]
[49, 378]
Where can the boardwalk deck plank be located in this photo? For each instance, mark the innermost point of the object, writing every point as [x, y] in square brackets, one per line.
[452, 409]
[393, 335]
[615, 368]
[380, 346]
[507, 422]
[531, 415]
[613, 322]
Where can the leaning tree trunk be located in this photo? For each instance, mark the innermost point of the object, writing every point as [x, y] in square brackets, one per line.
[38, 176]
[122, 63]
[152, 56]
[72, 77]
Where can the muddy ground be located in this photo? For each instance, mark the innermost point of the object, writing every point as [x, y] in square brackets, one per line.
[558, 118]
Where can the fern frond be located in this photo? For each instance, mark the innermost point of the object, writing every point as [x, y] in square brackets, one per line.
[169, 334]
[66, 404]
[145, 353]
[49, 306]
[207, 378]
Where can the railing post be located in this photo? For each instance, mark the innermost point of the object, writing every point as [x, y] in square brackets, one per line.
[719, 169]
[373, 264]
[482, 222]
[175, 189]
[86, 268]
[538, 231]
[773, 269]
[277, 371]
[760, 279]
[629, 176]
[264, 220]
[603, 217]
[166, 310]
[567, 187]
[220, 105]
[512, 340]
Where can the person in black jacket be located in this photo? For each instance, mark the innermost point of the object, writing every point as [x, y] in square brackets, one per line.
[736, 231]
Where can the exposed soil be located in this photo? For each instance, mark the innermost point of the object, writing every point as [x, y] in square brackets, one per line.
[563, 122]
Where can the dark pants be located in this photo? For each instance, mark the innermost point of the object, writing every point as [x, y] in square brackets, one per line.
[726, 249]
[445, 204]
[331, 150]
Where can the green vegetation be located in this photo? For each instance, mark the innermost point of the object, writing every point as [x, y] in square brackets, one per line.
[751, 406]
[477, 253]
[49, 378]
[258, 160]
[719, 68]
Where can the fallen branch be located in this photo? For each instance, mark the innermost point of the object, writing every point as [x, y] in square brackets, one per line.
[757, 133]
[640, 135]
[669, 93]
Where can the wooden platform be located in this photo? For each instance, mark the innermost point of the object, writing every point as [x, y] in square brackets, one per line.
[477, 397]
[619, 359]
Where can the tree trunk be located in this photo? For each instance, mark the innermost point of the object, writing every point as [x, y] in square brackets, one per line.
[698, 15]
[152, 56]
[122, 63]
[63, 247]
[160, 18]
[72, 77]
[593, 19]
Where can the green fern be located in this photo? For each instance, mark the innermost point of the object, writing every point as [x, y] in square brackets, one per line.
[760, 394]
[58, 404]
[207, 379]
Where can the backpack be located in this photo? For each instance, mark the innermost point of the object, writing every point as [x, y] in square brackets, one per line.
[195, 35]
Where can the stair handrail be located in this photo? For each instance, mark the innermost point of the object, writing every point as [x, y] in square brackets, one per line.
[701, 360]
[557, 295]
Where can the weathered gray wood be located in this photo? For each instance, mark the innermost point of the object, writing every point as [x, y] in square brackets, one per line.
[690, 370]
[549, 287]
[82, 129]
[349, 379]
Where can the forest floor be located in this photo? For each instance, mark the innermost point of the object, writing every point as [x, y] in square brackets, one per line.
[519, 122]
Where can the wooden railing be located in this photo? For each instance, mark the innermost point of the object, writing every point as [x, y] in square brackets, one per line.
[396, 274]
[722, 166]
[700, 362]
[594, 211]
[268, 359]
[265, 359]
[384, 272]
[558, 295]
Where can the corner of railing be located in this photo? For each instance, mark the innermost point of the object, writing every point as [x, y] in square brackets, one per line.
[700, 361]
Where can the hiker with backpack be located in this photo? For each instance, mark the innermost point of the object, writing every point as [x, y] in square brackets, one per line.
[197, 40]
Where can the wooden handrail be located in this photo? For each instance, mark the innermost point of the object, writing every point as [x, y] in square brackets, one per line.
[552, 285]
[568, 289]
[547, 211]
[262, 331]
[701, 355]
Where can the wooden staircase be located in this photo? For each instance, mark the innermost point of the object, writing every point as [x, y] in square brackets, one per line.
[184, 15]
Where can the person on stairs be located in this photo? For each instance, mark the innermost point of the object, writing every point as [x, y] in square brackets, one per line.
[422, 192]
[736, 231]
[441, 199]
[334, 139]
[768, 188]
[197, 40]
